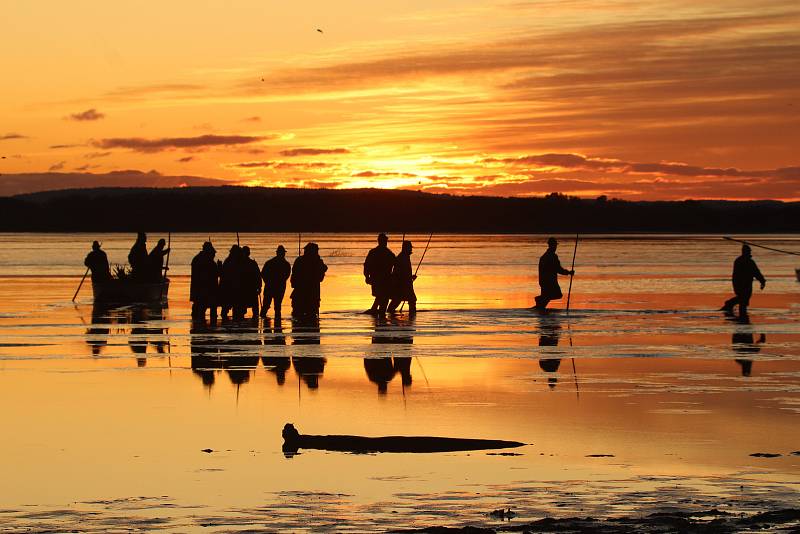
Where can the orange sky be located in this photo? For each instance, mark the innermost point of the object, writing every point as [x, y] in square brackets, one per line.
[639, 100]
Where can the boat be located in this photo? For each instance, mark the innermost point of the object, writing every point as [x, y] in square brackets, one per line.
[127, 291]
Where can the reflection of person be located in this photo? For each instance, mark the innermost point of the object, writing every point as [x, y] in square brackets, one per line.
[275, 273]
[745, 271]
[549, 335]
[309, 368]
[549, 269]
[403, 280]
[745, 343]
[307, 275]
[97, 262]
[378, 274]
[97, 333]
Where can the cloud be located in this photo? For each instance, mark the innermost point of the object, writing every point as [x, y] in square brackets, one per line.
[187, 159]
[252, 119]
[374, 174]
[10, 136]
[95, 155]
[312, 151]
[65, 146]
[57, 166]
[281, 165]
[139, 144]
[88, 115]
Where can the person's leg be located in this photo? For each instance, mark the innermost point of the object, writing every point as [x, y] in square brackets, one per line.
[277, 299]
[393, 305]
[730, 303]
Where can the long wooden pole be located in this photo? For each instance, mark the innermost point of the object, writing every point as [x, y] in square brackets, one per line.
[423, 253]
[762, 246]
[572, 274]
[237, 240]
[298, 244]
[169, 249]
[80, 285]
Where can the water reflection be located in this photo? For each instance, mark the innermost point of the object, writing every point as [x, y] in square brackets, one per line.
[142, 334]
[743, 340]
[309, 364]
[385, 363]
[273, 335]
[226, 348]
[549, 336]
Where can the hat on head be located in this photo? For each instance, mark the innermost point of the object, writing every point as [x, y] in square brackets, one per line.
[280, 249]
[208, 247]
[552, 241]
[746, 249]
[95, 245]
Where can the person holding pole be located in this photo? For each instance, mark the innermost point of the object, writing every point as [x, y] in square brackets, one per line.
[403, 280]
[744, 271]
[378, 274]
[97, 262]
[549, 269]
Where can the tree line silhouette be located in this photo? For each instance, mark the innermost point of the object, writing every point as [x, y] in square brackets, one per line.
[232, 208]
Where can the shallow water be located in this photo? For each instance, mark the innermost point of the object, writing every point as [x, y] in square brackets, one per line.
[641, 398]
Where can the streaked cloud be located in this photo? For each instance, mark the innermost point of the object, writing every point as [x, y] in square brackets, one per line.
[88, 115]
[57, 166]
[312, 151]
[139, 144]
[12, 136]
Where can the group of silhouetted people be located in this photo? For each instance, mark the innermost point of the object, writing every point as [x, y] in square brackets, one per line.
[235, 284]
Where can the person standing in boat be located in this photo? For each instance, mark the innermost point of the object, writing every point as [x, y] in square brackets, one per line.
[549, 269]
[745, 271]
[307, 275]
[378, 273]
[155, 262]
[251, 283]
[275, 273]
[137, 257]
[205, 283]
[403, 280]
[97, 262]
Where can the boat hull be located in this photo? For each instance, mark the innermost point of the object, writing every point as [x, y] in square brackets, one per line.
[124, 292]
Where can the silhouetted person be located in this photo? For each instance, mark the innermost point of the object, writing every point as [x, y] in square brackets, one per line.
[549, 269]
[403, 280]
[155, 261]
[307, 275]
[231, 284]
[275, 273]
[97, 262]
[205, 283]
[137, 257]
[252, 281]
[378, 273]
[745, 271]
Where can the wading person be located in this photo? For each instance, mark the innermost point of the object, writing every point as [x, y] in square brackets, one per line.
[275, 273]
[378, 274]
[307, 275]
[137, 257]
[403, 280]
[230, 284]
[252, 281]
[97, 262]
[205, 283]
[549, 269]
[155, 261]
[745, 271]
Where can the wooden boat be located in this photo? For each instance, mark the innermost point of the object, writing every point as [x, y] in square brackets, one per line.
[125, 291]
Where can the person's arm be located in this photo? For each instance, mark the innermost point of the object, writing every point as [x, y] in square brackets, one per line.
[757, 274]
[86, 261]
[560, 269]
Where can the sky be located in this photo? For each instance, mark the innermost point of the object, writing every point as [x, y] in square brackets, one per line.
[629, 99]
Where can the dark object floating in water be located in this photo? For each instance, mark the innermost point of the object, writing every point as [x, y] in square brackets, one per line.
[795, 453]
[600, 456]
[125, 291]
[207, 450]
[294, 440]
[765, 455]
[504, 454]
[503, 514]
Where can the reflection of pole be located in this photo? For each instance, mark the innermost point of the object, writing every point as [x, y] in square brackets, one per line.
[80, 285]
[762, 246]
[574, 252]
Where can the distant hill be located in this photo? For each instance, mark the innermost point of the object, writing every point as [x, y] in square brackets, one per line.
[22, 183]
[371, 210]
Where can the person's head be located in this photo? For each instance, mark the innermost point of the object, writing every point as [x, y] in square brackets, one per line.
[208, 248]
[407, 247]
[95, 245]
[235, 251]
[280, 251]
[311, 248]
[552, 243]
[746, 251]
[141, 236]
[382, 239]
[162, 243]
[246, 251]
